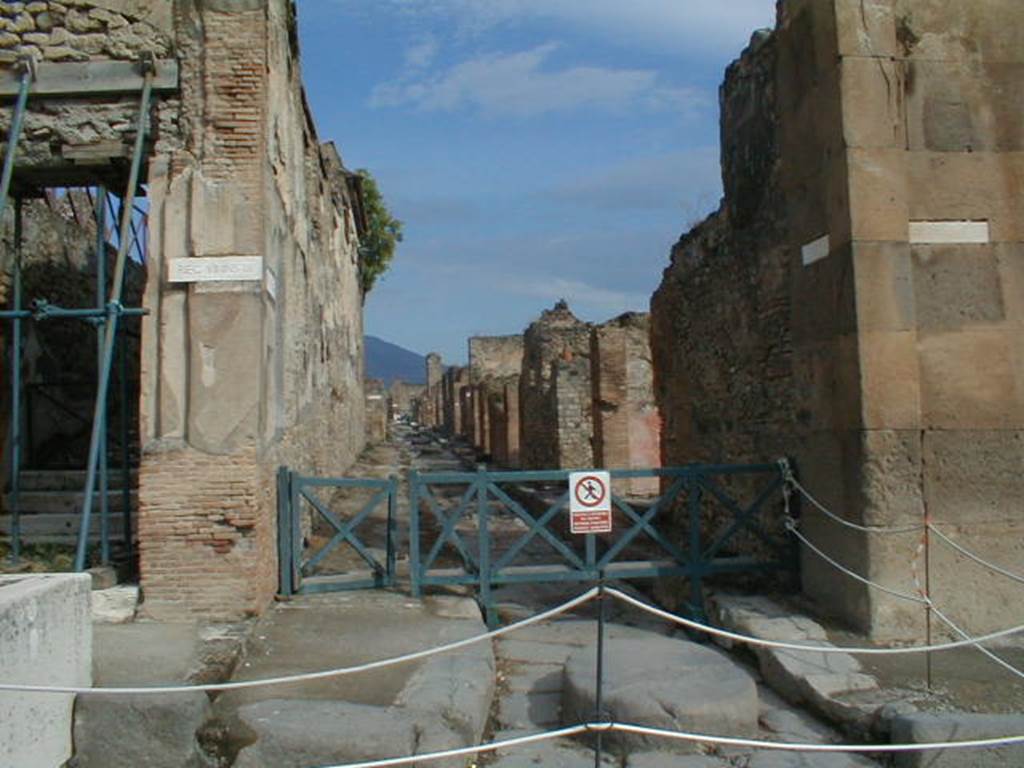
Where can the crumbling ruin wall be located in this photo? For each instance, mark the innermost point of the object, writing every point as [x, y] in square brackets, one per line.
[431, 412]
[240, 376]
[492, 359]
[627, 425]
[855, 302]
[402, 395]
[455, 378]
[494, 356]
[376, 411]
[61, 135]
[555, 392]
[503, 420]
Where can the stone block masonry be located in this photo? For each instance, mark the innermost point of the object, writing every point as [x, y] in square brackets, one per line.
[401, 397]
[492, 359]
[856, 302]
[377, 411]
[45, 639]
[555, 393]
[430, 412]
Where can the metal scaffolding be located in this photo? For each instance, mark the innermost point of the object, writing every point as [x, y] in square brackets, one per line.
[106, 316]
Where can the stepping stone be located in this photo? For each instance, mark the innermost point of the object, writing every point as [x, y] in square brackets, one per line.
[661, 682]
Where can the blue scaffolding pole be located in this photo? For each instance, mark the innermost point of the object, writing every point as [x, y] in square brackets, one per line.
[106, 315]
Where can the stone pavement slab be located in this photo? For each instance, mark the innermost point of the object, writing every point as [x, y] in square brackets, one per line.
[958, 726]
[663, 683]
[436, 703]
[775, 759]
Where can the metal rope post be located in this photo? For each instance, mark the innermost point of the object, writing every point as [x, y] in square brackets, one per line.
[599, 687]
[113, 313]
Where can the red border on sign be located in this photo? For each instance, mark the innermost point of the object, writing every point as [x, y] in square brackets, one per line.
[581, 481]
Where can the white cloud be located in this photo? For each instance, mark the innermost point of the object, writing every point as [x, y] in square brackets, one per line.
[579, 294]
[518, 84]
[665, 25]
[670, 181]
[421, 54]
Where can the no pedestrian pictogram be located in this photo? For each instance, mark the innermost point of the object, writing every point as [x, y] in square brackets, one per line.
[590, 502]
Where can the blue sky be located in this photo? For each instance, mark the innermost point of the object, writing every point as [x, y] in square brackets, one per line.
[534, 149]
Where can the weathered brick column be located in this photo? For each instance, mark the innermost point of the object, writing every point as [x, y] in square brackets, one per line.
[252, 351]
[627, 425]
[555, 392]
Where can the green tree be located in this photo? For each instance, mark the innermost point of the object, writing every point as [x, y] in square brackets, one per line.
[384, 233]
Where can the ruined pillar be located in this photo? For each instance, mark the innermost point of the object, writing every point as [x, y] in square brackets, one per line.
[433, 412]
[555, 392]
[252, 351]
[627, 426]
[466, 413]
[511, 421]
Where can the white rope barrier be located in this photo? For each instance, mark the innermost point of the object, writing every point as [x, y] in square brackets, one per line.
[534, 738]
[702, 738]
[917, 528]
[923, 599]
[976, 558]
[306, 676]
[791, 527]
[956, 628]
[760, 642]
[787, 746]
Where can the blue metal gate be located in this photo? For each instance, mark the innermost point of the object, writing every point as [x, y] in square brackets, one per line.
[488, 551]
[305, 563]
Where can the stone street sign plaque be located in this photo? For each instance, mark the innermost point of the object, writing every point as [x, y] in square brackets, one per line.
[590, 502]
[207, 269]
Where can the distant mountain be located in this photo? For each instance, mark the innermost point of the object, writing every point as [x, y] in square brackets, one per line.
[389, 362]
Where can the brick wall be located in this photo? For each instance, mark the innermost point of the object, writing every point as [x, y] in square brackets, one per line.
[206, 542]
[627, 425]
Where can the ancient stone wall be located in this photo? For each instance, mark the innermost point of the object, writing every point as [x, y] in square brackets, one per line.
[377, 412]
[431, 411]
[402, 395]
[627, 426]
[491, 360]
[555, 392]
[59, 134]
[855, 302]
[505, 423]
[241, 376]
[494, 356]
[451, 398]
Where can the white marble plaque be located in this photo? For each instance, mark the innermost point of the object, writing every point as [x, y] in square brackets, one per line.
[208, 269]
[816, 250]
[949, 232]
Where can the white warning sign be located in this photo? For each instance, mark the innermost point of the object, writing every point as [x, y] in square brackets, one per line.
[590, 502]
